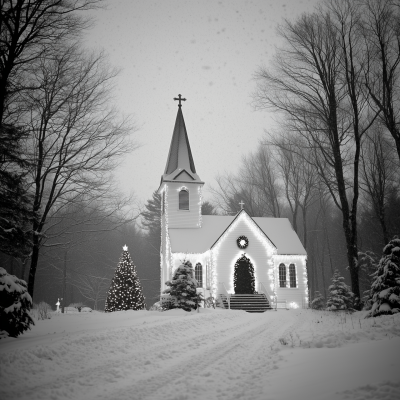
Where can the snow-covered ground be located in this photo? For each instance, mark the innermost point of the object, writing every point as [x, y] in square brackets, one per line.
[214, 354]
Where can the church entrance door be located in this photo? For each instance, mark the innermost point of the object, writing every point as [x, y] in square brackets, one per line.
[243, 279]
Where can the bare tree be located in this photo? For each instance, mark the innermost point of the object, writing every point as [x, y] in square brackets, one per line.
[381, 31]
[76, 137]
[255, 184]
[93, 288]
[290, 174]
[379, 173]
[298, 175]
[259, 171]
[231, 191]
[317, 84]
[28, 28]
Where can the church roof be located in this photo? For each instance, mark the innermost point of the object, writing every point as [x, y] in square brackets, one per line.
[278, 230]
[180, 164]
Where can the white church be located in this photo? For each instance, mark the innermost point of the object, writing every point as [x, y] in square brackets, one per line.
[218, 245]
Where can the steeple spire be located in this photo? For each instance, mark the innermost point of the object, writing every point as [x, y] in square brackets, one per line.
[180, 163]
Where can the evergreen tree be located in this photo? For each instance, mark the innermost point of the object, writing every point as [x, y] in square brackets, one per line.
[15, 203]
[318, 302]
[125, 292]
[182, 287]
[151, 221]
[15, 303]
[340, 297]
[385, 289]
[243, 278]
[207, 208]
[152, 217]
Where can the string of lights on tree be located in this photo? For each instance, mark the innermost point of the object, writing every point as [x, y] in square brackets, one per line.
[125, 292]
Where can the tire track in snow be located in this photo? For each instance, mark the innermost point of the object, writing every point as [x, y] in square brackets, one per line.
[218, 356]
[232, 367]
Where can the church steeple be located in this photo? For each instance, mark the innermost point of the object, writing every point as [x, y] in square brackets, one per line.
[180, 186]
[180, 164]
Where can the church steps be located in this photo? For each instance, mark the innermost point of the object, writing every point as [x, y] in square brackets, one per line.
[247, 302]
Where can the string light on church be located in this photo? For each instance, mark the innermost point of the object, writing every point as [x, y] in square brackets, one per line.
[185, 228]
[272, 277]
[168, 254]
[268, 246]
[231, 279]
[294, 259]
[199, 192]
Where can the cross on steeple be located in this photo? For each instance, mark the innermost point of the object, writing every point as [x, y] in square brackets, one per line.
[241, 204]
[179, 98]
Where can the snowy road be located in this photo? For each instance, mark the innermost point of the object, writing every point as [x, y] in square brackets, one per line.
[222, 355]
[213, 355]
[191, 365]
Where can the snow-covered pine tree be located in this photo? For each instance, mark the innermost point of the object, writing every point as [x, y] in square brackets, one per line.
[318, 302]
[15, 303]
[367, 266]
[125, 292]
[385, 289]
[340, 295]
[182, 287]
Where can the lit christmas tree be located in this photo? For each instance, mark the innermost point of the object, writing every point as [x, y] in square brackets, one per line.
[125, 292]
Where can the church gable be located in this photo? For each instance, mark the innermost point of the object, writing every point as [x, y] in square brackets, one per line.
[243, 219]
[243, 236]
[183, 176]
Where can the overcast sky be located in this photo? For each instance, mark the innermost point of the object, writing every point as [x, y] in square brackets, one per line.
[208, 51]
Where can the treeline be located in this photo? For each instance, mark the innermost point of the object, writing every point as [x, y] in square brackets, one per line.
[60, 140]
[332, 164]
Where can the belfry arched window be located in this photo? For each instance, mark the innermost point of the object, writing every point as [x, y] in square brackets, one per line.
[198, 274]
[292, 276]
[282, 275]
[184, 199]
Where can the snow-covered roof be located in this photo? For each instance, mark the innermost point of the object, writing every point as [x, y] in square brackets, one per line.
[278, 230]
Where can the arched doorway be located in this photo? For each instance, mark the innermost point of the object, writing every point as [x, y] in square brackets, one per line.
[243, 278]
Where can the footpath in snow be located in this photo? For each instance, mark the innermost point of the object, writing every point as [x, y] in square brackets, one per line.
[214, 354]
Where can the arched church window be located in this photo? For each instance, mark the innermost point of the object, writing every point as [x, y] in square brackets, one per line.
[198, 274]
[292, 275]
[184, 200]
[282, 275]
